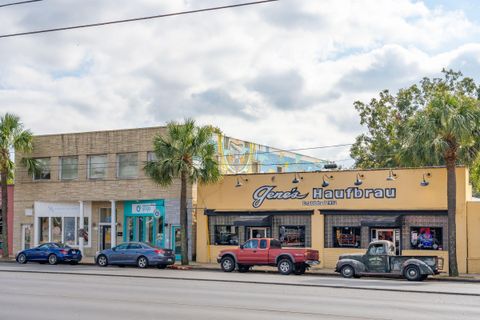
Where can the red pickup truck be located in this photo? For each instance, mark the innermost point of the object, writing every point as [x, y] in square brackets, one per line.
[267, 252]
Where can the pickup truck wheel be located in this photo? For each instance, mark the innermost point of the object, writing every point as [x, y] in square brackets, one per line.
[227, 264]
[243, 268]
[412, 273]
[299, 269]
[347, 271]
[285, 266]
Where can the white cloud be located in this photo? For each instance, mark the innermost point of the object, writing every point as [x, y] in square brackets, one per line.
[284, 74]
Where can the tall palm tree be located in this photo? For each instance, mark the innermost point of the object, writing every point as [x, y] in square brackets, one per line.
[13, 137]
[445, 132]
[187, 153]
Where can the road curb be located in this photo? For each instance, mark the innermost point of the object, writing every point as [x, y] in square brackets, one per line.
[314, 273]
[244, 282]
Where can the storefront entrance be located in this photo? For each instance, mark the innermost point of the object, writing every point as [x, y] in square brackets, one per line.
[391, 234]
[27, 239]
[105, 237]
[177, 242]
[144, 221]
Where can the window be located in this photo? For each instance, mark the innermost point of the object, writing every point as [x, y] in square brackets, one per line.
[151, 156]
[426, 238]
[251, 244]
[56, 229]
[226, 235]
[97, 167]
[105, 215]
[43, 169]
[292, 236]
[263, 244]
[346, 237]
[127, 166]
[69, 230]
[44, 229]
[275, 244]
[122, 246]
[377, 249]
[134, 246]
[62, 230]
[68, 168]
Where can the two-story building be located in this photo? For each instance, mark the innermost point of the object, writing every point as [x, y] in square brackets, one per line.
[92, 191]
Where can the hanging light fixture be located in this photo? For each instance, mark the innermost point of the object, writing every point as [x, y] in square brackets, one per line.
[391, 175]
[325, 179]
[295, 178]
[424, 182]
[358, 180]
[239, 182]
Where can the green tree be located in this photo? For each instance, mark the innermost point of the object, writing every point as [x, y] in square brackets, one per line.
[446, 131]
[13, 137]
[384, 118]
[185, 152]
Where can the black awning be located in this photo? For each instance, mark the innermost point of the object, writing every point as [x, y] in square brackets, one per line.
[254, 222]
[393, 221]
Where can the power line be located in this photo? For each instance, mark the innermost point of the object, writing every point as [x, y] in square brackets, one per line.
[134, 19]
[17, 3]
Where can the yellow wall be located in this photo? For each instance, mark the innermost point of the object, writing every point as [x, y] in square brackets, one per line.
[473, 209]
[410, 195]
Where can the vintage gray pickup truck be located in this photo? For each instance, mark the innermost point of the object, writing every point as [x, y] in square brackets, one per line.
[380, 259]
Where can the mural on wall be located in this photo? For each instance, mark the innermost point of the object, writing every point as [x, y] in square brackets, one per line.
[238, 156]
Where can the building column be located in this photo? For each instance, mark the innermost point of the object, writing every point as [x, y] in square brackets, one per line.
[113, 221]
[81, 239]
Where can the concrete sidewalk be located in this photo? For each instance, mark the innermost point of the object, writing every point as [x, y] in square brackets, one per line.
[316, 271]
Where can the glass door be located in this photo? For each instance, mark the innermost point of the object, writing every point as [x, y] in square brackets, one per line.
[105, 237]
[392, 235]
[258, 232]
[177, 242]
[27, 239]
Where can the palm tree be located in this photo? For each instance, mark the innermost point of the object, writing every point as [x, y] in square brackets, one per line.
[13, 137]
[445, 132]
[187, 153]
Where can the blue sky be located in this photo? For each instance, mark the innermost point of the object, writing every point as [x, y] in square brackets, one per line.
[283, 74]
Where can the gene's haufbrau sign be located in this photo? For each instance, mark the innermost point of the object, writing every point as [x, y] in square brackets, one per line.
[320, 196]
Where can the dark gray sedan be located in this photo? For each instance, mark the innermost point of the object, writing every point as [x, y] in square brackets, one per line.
[140, 254]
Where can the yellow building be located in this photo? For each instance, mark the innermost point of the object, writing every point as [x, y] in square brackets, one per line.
[339, 212]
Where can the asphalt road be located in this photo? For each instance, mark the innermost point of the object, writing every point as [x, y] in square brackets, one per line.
[88, 292]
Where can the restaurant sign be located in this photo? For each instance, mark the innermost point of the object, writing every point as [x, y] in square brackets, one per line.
[320, 196]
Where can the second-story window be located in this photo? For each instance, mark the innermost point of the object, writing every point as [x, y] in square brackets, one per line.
[127, 165]
[68, 168]
[97, 166]
[43, 172]
[151, 156]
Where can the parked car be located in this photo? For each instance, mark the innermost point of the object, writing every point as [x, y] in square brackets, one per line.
[267, 252]
[140, 254]
[380, 259]
[52, 252]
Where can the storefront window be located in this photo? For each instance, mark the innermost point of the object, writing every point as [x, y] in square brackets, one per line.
[68, 168]
[149, 229]
[44, 230]
[127, 165]
[86, 231]
[69, 230]
[346, 237]
[130, 231]
[292, 236]
[426, 238]
[226, 235]
[159, 236]
[105, 215]
[56, 229]
[97, 167]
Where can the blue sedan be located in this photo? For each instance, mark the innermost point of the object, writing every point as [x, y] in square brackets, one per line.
[135, 253]
[51, 252]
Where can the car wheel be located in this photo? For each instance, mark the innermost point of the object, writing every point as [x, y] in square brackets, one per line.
[142, 262]
[347, 271]
[243, 268]
[285, 266]
[102, 260]
[161, 266]
[299, 269]
[412, 273]
[22, 258]
[52, 259]
[227, 264]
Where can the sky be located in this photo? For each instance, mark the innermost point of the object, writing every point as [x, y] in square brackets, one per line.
[284, 74]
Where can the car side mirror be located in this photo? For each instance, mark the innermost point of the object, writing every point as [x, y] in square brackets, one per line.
[241, 246]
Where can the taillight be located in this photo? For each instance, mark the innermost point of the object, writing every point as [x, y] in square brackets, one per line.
[63, 251]
[159, 251]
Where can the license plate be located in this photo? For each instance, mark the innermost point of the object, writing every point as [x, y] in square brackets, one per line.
[169, 260]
